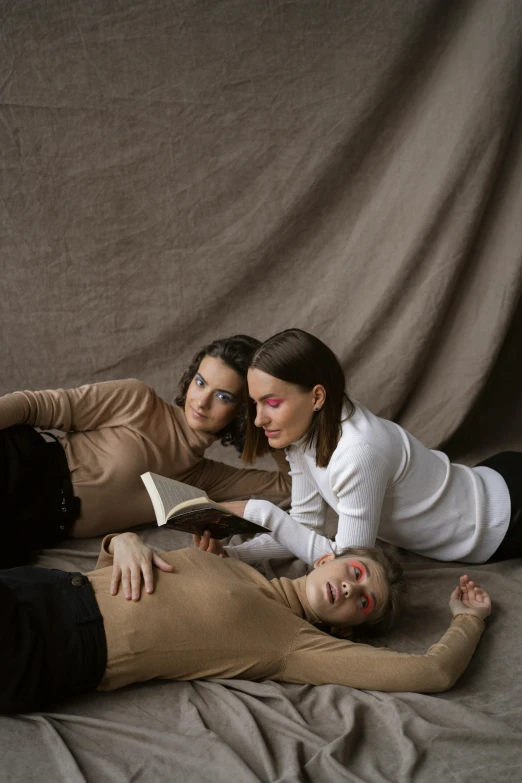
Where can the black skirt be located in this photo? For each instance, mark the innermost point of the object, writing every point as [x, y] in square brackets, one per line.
[37, 503]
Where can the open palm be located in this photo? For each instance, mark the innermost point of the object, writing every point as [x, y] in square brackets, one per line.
[470, 598]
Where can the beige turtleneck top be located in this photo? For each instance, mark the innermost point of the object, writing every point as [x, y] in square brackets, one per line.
[215, 617]
[117, 430]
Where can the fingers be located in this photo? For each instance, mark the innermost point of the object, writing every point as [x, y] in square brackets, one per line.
[131, 581]
[208, 544]
[204, 541]
[148, 579]
[136, 581]
[161, 564]
[215, 546]
[115, 581]
[126, 583]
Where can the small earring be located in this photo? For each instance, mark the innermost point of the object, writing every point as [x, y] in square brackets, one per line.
[317, 410]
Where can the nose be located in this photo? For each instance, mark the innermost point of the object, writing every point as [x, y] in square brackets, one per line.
[261, 417]
[203, 400]
[349, 589]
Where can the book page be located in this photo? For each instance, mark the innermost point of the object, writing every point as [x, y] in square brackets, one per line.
[172, 492]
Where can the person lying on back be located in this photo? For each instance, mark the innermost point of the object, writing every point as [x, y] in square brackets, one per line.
[66, 633]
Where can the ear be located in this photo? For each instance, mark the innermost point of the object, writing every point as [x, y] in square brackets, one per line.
[324, 559]
[343, 633]
[318, 396]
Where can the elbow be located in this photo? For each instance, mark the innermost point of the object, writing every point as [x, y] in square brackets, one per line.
[443, 679]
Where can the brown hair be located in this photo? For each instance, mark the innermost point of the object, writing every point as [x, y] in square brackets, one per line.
[300, 358]
[237, 352]
[389, 614]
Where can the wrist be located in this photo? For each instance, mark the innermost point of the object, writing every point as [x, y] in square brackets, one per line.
[117, 537]
[470, 614]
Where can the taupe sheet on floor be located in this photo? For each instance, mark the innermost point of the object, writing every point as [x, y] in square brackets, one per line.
[221, 731]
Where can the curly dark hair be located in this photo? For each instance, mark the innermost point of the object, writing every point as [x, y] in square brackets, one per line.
[237, 352]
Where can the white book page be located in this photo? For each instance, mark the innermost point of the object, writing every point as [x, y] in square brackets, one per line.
[169, 493]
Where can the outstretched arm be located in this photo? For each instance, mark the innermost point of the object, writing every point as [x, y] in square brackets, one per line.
[299, 532]
[223, 482]
[107, 404]
[319, 659]
[359, 481]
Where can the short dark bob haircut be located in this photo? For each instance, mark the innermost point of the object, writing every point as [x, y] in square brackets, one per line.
[300, 358]
[236, 352]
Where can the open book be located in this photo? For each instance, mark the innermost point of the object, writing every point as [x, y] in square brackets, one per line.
[187, 508]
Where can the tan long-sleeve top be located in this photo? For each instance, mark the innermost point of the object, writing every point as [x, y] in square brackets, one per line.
[117, 430]
[215, 617]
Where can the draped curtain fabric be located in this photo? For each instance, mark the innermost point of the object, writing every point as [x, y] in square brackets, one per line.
[173, 172]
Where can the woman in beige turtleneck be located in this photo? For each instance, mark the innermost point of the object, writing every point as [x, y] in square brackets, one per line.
[114, 431]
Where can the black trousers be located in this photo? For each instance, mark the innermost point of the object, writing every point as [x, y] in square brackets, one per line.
[509, 465]
[37, 503]
[53, 643]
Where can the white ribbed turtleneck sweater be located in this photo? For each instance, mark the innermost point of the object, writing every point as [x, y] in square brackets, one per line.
[383, 483]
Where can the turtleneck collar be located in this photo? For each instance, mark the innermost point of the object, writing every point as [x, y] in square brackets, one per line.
[293, 591]
[197, 440]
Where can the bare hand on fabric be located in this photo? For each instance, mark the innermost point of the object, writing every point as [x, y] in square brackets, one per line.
[132, 560]
[470, 598]
[208, 544]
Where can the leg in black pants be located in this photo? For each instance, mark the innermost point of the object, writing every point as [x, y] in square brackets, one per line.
[53, 639]
[509, 465]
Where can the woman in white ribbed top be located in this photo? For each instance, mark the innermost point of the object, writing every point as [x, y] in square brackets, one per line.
[380, 480]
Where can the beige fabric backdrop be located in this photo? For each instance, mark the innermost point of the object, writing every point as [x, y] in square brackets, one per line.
[173, 172]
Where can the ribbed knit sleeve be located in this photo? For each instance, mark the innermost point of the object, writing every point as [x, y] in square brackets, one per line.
[297, 533]
[359, 478]
[262, 547]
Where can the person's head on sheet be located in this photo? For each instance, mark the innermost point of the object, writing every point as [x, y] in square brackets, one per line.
[362, 587]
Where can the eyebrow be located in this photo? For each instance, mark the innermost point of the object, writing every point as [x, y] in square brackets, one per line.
[225, 391]
[266, 397]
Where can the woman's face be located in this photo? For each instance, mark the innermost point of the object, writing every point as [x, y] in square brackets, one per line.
[213, 396]
[283, 410]
[346, 591]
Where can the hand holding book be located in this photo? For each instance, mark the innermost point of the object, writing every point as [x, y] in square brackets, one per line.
[188, 509]
[208, 544]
